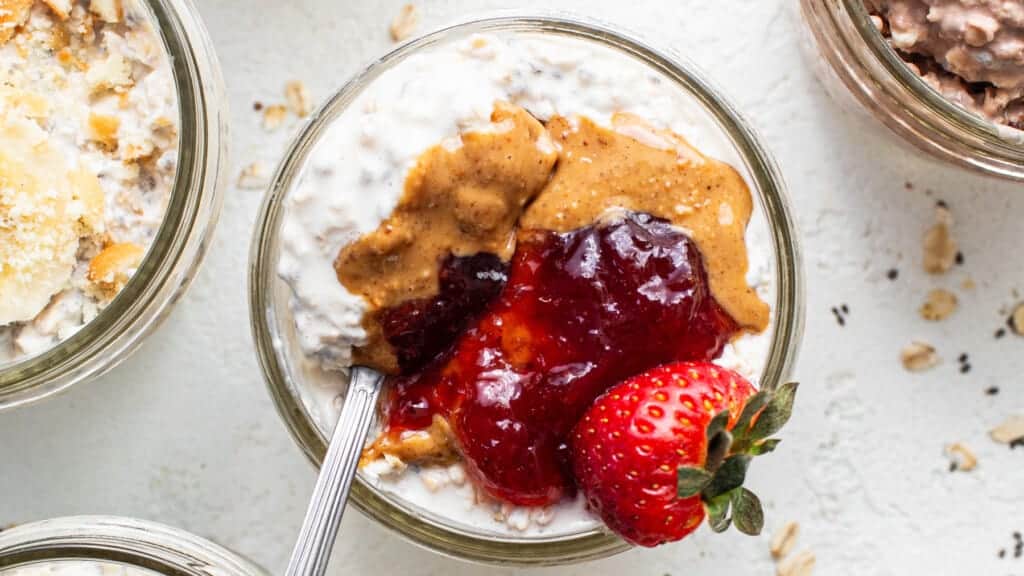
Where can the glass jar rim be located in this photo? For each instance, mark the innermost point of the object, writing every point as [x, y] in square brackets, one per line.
[109, 539]
[920, 112]
[180, 244]
[446, 539]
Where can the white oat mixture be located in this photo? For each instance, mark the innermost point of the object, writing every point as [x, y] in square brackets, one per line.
[88, 152]
[971, 51]
[354, 178]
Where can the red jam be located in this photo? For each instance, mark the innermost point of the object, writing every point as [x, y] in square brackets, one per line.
[419, 330]
[581, 311]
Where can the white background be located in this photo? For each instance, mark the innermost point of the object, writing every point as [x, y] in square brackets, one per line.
[184, 432]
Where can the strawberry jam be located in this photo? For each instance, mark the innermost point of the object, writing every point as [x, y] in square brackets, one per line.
[581, 311]
[421, 329]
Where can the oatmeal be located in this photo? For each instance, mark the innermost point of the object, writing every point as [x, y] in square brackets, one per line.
[88, 151]
[77, 568]
[439, 103]
[972, 51]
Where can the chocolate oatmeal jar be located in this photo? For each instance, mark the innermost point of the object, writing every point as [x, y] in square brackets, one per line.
[132, 139]
[851, 55]
[360, 142]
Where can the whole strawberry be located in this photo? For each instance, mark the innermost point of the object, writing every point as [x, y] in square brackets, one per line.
[661, 451]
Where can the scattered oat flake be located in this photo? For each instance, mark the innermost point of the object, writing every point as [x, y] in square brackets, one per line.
[1010, 431]
[940, 248]
[784, 540]
[1017, 319]
[801, 564]
[274, 116]
[253, 177]
[918, 357]
[939, 305]
[961, 457]
[297, 96]
[405, 23]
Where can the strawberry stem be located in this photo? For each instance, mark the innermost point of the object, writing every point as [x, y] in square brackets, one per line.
[729, 453]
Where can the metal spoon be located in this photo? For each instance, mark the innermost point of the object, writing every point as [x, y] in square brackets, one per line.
[319, 529]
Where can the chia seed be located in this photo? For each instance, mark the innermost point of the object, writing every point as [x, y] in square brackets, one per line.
[840, 318]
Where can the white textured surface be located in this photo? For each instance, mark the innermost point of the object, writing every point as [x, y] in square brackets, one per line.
[184, 432]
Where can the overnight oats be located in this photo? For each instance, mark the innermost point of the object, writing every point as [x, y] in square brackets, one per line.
[111, 546]
[971, 51]
[88, 149]
[110, 171]
[77, 568]
[946, 75]
[514, 225]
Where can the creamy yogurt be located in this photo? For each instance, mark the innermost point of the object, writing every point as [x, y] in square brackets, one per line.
[355, 175]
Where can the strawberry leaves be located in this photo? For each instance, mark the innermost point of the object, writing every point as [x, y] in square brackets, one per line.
[776, 413]
[718, 513]
[729, 476]
[729, 453]
[765, 447]
[747, 513]
[754, 405]
[692, 481]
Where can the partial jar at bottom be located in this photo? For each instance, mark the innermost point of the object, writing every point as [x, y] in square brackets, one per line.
[111, 546]
[856, 64]
[444, 521]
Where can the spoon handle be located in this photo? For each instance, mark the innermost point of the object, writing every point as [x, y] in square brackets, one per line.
[313, 549]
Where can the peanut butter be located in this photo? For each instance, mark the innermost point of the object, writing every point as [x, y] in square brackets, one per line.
[463, 202]
[635, 167]
[472, 198]
[433, 445]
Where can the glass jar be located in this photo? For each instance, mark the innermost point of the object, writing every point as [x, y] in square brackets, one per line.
[853, 58]
[183, 237]
[286, 370]
[107, 540]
